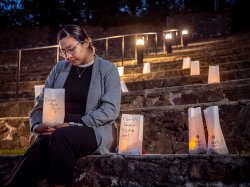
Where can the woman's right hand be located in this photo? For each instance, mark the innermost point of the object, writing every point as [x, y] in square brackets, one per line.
[44, 129]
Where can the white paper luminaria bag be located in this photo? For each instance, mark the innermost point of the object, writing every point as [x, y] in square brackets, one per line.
[197, 140]
[123, 86]
[186, 63]
[195, 67]
[213, 74]
[131, 134]
[146, 68]
[216, 141]
[53, 106]
[38, 90]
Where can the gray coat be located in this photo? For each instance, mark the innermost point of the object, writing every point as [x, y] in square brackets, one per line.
[103, 102]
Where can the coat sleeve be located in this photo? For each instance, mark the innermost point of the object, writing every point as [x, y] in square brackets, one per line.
[109, 108]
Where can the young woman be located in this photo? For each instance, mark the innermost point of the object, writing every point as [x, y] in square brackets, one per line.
[92, 103]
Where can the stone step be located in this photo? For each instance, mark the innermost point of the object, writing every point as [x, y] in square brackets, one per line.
[162, 96]
[161, 57]
[25, 77]
[165, 128]
[136, 70]
[212, 49]
[163, 170]
[29, 57]
[42, 55]
[14, 108]
[5, 96]
[177, 66]
[24, 73]
[30, 68]
[213, 52]
[23, 85]
[39, 75]
[204, 52]
[169, 96]
[189, 94]
[160, 79]
[153, 170]
[31, 72]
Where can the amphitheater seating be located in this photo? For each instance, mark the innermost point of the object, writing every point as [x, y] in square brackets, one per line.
[162, 96]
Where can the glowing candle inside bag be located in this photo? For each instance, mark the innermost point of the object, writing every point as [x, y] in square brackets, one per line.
[197, 141]
[53, 106]
[131, 134]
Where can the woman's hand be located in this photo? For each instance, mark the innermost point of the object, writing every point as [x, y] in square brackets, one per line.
[45, 129]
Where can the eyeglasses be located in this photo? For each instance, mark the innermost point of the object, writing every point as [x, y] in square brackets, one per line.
[71, 51]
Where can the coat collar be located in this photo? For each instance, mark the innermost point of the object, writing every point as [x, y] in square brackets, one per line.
[95, 77]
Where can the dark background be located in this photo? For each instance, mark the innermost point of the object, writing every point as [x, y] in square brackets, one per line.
[110, 13]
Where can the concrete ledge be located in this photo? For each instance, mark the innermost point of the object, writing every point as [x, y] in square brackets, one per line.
[156, 170]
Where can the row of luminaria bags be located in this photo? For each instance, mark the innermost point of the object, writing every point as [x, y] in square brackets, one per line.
[194, 66]
[131, 133]
[131, 126]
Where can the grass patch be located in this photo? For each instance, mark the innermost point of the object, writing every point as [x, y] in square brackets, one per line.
[12, 151]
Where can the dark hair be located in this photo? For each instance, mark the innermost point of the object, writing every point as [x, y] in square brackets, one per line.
[76, 32]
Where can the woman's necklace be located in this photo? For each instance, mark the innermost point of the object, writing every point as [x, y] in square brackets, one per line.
[80, 72]
[83, 66]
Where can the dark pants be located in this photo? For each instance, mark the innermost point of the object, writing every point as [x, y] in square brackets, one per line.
[53, 157]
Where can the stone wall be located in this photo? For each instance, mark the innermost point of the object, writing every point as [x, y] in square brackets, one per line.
[154, 170]
[165, 128]
[15, 133]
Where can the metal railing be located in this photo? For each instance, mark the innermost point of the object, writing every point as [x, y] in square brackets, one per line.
[123, 42]
[106, 39]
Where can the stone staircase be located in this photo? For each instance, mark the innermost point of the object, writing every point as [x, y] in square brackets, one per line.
[156, 170]
[163, 98]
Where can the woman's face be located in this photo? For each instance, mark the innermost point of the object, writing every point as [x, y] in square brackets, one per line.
[74, 52]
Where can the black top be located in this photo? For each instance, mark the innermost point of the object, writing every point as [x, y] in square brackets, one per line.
[76, 93]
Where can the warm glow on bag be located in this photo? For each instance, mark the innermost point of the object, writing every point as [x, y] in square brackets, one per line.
[146, 68]
[216, 141]
[186, 63]
[53, 106]
[213, 74]
[131, 134]
[197, 140]
[195, 68]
